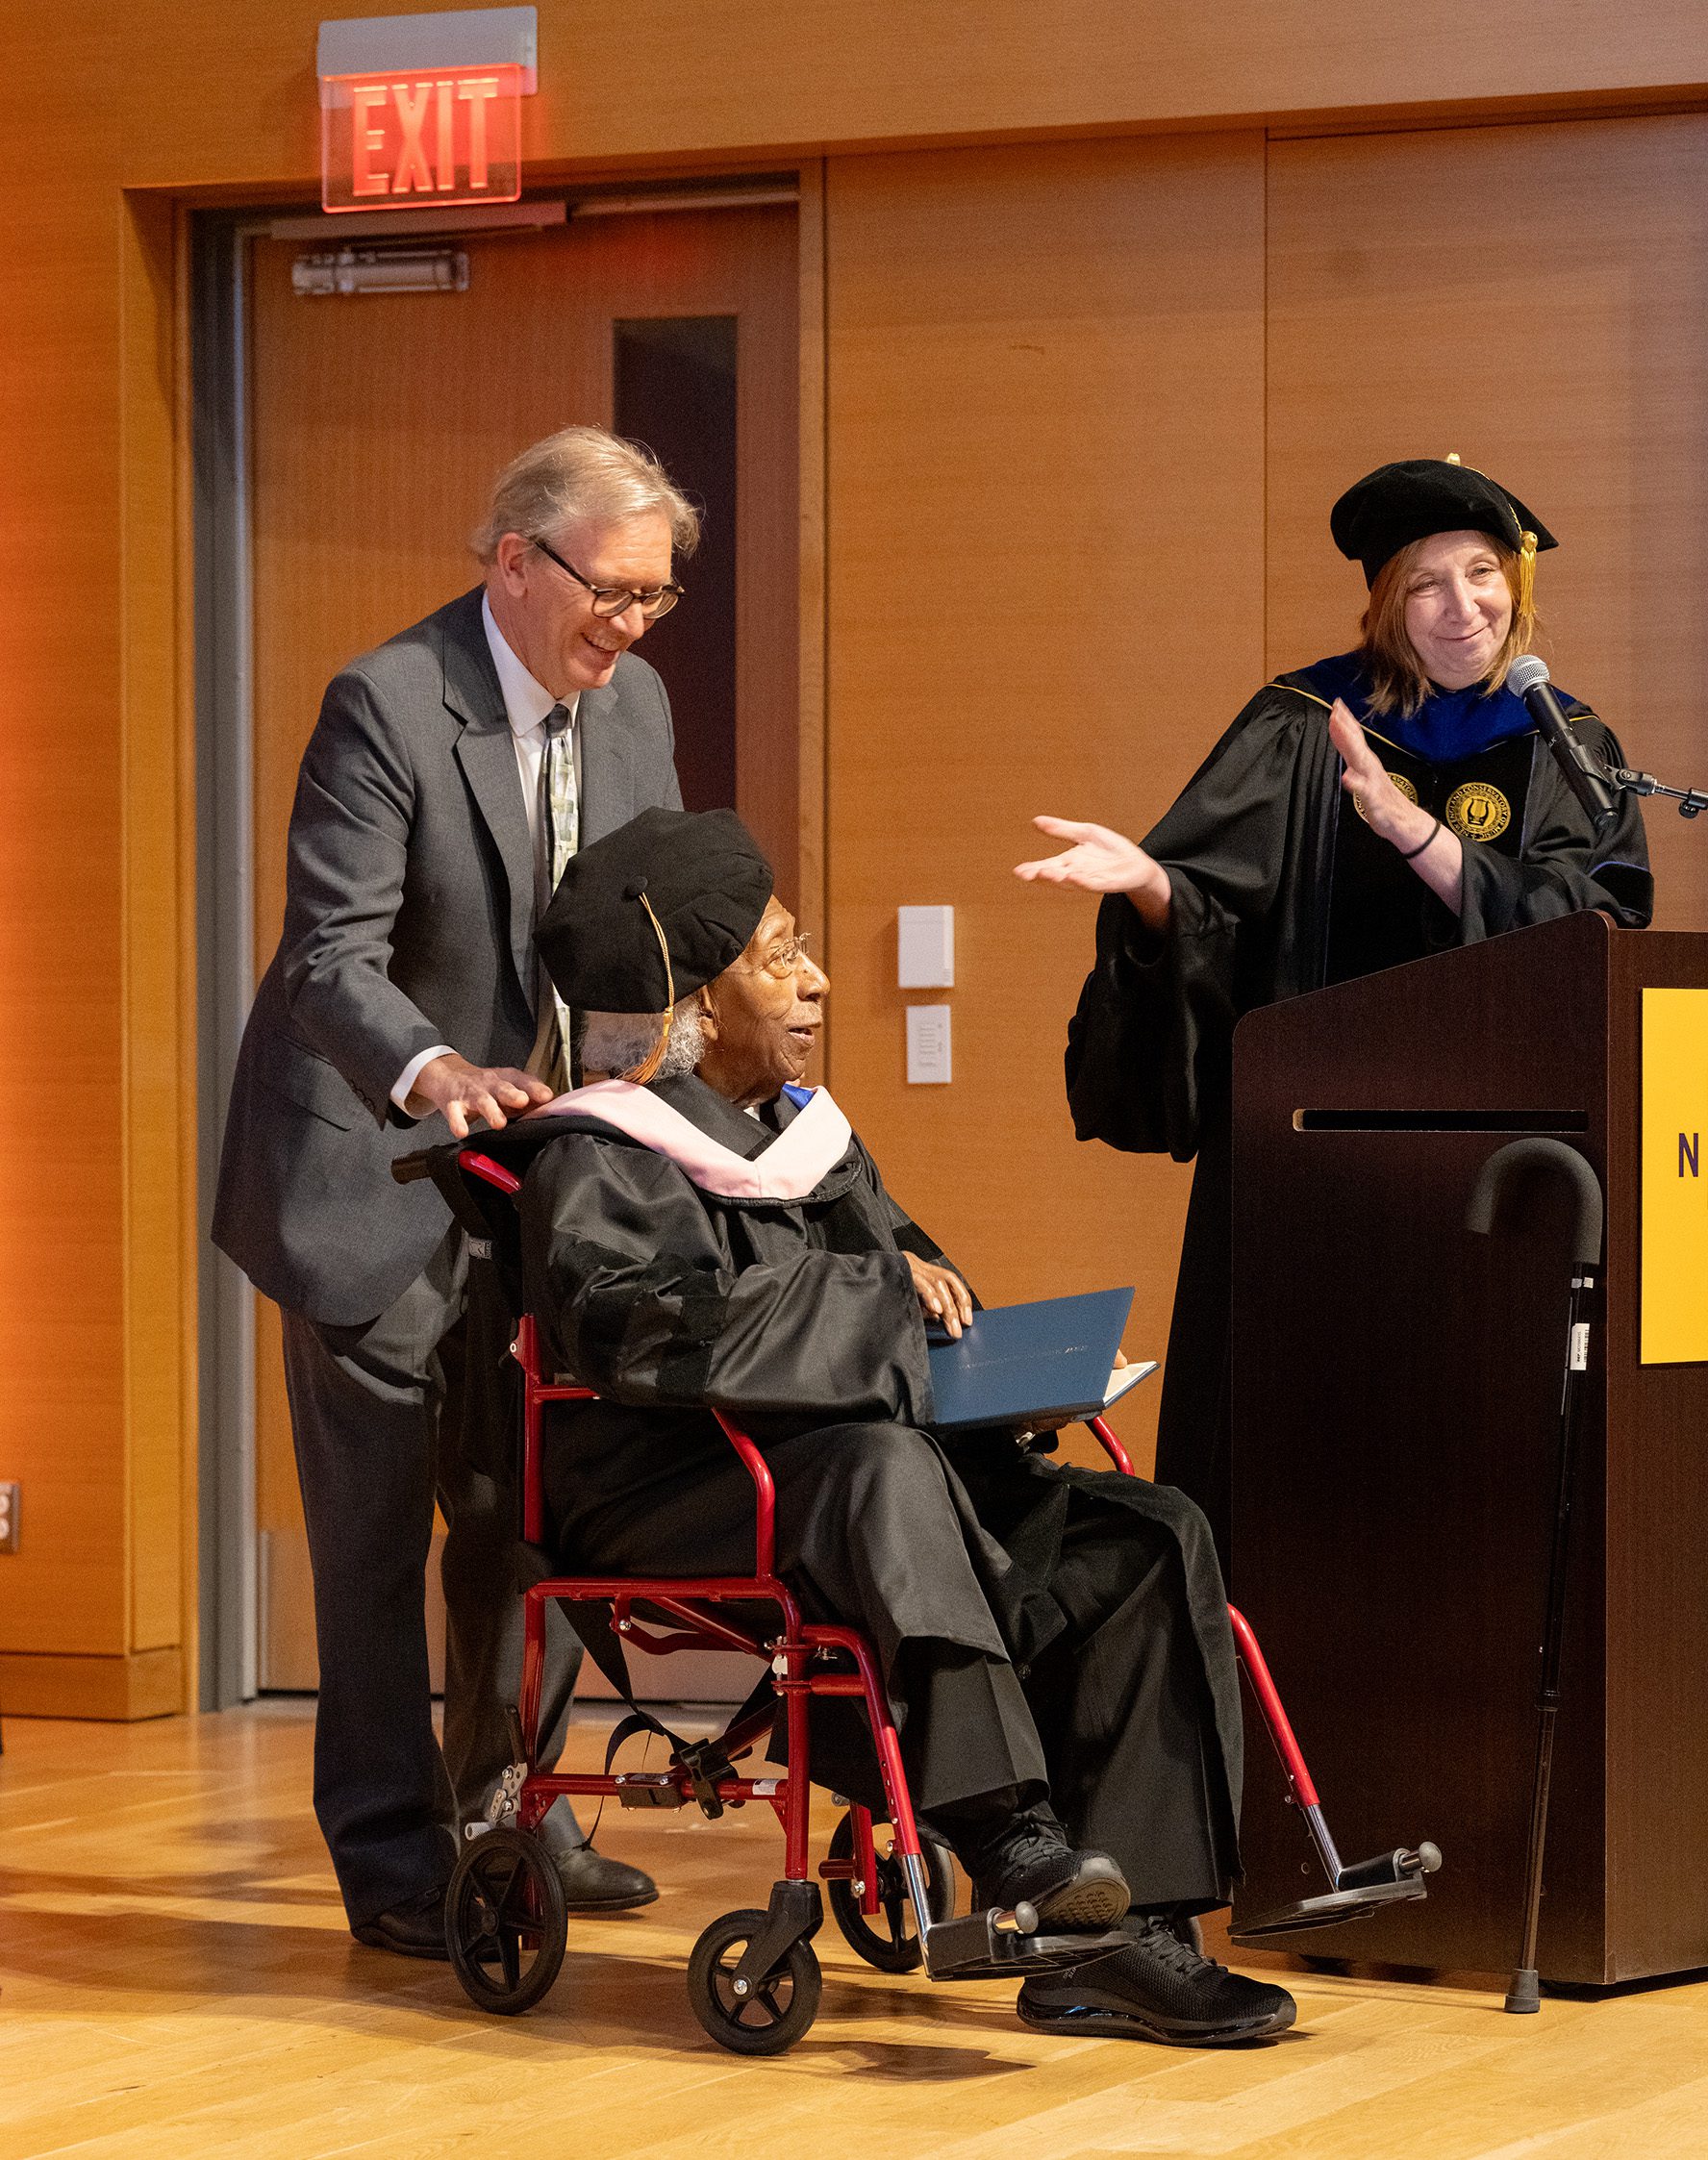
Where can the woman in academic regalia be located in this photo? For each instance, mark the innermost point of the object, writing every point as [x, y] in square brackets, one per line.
[1369, 809]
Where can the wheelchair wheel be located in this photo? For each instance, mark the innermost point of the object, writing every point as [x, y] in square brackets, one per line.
[778, 2011]
[886, 1938]
[505, 1923]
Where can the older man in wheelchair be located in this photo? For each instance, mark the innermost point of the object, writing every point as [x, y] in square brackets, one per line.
[703, 1235]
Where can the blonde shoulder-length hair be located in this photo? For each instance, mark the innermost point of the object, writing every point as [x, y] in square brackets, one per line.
[1398, 682]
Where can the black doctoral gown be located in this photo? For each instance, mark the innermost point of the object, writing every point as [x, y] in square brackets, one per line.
[1279, 888]
[1032, 1622]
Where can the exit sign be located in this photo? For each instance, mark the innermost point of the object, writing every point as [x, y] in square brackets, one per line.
[417, 111]
[452, 136]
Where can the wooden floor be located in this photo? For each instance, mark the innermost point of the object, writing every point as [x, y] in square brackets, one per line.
[176, 1978]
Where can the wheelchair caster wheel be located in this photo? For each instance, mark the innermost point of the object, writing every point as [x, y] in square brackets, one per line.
[779, 2008]
[886, 1938]
[505, 1925]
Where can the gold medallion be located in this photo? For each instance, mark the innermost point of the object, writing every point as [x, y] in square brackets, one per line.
[1400, 780]
[1477, 810]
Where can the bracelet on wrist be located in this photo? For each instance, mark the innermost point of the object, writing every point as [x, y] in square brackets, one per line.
[1412, 854]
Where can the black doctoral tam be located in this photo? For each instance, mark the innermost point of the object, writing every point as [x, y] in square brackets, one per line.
[689, 882]
[1396, 504]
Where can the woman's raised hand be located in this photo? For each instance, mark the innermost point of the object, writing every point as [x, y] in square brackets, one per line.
[1433, 853]
[1100, 860]
[1380, 803]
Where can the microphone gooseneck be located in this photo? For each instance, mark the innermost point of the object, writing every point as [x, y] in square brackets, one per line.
[1528, 678]
[1691, 801]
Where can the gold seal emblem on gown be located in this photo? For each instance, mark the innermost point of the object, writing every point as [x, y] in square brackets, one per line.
[1400, 780]
[1477, 810]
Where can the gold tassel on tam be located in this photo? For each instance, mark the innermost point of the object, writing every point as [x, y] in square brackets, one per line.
[1525, 600]
[655, 1057]
[1527, 578]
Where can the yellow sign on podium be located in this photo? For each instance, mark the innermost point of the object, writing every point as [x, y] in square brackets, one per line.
[1674, 1312]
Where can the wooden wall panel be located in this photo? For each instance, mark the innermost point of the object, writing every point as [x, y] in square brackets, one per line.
[120, 1687]
[227, 99]
[1537, 299]
[1045, 454]
[808, 898]
[61, 1337]
[159, 970]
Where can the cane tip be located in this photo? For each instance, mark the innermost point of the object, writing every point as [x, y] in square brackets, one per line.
[1523, 1999]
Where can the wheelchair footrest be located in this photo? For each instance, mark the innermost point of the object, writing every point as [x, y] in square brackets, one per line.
[1331, 1910]
[979, 1947]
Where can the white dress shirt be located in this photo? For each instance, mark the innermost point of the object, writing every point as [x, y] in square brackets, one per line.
[525, 706]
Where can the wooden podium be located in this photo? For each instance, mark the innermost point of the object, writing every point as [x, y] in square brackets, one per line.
[1396, 1385]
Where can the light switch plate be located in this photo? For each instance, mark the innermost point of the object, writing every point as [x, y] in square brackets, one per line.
[928, 1063]
[925, 949]
[9, 1516]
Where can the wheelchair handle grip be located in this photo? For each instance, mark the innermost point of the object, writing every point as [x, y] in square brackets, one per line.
[410, 1169]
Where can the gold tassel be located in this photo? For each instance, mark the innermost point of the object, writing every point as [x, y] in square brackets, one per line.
[655, 1057]
[1525, 602]
[1527, 579]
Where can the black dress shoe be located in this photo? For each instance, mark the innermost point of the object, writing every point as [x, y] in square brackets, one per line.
[593, 1884]
[416, 1929]
[1158, 1988]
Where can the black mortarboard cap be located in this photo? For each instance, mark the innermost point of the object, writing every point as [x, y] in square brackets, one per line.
[1396, 504]
[696, 877]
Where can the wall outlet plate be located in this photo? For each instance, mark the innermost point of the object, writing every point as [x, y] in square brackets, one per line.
[9, 1516]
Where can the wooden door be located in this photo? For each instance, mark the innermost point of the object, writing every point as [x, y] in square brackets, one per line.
[379, 422]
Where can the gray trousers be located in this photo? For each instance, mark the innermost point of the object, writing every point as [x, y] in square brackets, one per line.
[386, 1417]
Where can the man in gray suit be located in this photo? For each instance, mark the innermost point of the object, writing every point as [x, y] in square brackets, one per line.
[450, 776]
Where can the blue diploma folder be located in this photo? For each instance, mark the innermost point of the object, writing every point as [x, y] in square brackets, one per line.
[1023, 1364]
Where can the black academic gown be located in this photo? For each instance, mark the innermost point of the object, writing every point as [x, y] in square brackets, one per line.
[1257, 852]
[1033, 1623]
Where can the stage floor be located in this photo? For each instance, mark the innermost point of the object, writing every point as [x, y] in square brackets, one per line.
[176, 1978]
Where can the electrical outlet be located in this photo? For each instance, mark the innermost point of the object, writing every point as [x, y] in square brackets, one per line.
[9, 1517]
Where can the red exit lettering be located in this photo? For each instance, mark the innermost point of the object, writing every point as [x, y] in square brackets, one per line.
[451, 137]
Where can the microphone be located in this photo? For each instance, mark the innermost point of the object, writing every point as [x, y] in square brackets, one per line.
[1528, 678]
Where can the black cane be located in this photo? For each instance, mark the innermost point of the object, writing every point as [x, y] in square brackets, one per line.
[1519, 1159]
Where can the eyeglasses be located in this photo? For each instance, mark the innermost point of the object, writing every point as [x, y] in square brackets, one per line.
[611, 600]
[782, 963]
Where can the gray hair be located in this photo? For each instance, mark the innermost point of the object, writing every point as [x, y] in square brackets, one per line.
[582, 472]
[618, 1042]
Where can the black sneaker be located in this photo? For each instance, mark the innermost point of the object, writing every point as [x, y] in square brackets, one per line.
[1029, 1862]
[1158, 1988]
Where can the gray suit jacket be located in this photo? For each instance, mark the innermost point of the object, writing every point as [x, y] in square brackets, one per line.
[407, 922]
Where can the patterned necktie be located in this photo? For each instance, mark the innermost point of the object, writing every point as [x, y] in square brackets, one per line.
[558, 835]
[560, 809]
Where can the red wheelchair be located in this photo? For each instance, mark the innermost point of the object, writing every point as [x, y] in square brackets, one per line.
[753, 1977]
